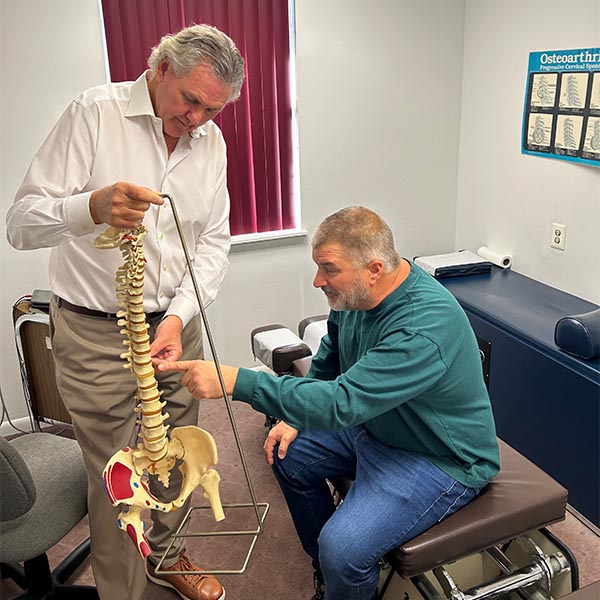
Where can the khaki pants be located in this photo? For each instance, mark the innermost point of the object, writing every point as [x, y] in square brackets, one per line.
[99, 393]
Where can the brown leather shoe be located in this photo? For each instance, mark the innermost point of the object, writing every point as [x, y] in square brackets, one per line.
[189, 586]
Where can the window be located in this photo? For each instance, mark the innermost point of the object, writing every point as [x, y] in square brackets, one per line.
[259, 127]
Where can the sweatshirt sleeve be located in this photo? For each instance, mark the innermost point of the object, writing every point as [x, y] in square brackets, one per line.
[401, 367]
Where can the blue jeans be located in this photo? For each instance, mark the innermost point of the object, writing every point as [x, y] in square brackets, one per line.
[396, 495]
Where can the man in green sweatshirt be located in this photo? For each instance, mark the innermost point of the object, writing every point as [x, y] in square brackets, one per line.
[394, 397]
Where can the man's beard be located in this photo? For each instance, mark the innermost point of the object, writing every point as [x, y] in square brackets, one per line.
[351, 300]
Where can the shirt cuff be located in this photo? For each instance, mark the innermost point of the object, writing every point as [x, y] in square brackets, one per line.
[77, 214]
[244, 385]
[182, 308]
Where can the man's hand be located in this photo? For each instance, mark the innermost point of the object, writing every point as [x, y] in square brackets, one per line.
[283, 434]
[122, 204]
[166, 345]
[201, 378]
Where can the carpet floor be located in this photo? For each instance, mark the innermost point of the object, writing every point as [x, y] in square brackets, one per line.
[278, 567]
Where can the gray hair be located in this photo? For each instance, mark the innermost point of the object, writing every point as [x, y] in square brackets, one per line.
[201, 44]
[361, 231]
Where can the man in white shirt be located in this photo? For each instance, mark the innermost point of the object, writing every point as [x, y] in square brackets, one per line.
[115, 149]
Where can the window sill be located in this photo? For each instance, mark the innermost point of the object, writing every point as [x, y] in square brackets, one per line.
[273, 239]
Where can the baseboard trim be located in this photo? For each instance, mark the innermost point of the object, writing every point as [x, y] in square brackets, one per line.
[584, 521]
[23, 425]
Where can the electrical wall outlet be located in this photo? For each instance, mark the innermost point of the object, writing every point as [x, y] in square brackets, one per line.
[559, 236]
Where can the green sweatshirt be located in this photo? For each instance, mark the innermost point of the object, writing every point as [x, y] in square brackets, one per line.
[409, 370]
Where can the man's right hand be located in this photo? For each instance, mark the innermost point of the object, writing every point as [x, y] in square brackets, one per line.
[122, 204]
[283, 434]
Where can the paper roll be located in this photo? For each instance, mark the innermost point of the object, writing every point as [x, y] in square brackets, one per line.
[500, 260]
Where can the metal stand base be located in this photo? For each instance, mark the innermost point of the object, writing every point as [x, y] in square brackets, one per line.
[178, 534]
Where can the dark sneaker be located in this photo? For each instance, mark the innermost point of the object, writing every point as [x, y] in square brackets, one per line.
[319, 586]
[189, 586]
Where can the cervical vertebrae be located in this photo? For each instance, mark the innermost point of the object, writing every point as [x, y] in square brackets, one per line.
[126, 472]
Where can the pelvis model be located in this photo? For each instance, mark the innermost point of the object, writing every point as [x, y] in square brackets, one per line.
[126, 473]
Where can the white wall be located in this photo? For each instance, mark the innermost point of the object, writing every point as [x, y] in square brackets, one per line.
[379, 102]
[49, 53]
[508, 200]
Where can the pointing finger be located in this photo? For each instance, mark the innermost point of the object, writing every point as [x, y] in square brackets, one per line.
[178, 365]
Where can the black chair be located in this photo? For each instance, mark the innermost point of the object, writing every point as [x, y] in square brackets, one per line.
[43, 496]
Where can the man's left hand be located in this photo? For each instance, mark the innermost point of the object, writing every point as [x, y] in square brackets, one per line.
[166, 345]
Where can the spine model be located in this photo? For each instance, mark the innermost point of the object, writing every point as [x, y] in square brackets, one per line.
[130, 286]
[126, 473]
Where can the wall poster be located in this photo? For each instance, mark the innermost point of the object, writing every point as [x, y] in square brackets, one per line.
[562, 105]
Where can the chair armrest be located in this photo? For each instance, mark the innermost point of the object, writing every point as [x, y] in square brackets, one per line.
[301, 366]
[277, 347]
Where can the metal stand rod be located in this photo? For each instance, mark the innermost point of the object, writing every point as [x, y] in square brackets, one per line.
[215, 357]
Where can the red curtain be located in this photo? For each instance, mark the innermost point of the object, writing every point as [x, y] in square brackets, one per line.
[258, 126]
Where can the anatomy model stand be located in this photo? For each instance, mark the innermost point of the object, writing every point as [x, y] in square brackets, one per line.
[126, 473]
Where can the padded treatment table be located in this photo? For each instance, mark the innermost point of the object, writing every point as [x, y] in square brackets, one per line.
[546, 402]
[521, 498]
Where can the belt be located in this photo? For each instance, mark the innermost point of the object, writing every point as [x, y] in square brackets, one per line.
[82, 310]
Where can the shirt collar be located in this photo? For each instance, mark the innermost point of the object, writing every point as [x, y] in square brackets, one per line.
[139, 98]
[198, 132]
[141, 104]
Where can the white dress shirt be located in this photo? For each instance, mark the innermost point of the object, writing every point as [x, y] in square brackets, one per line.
[109, 134]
